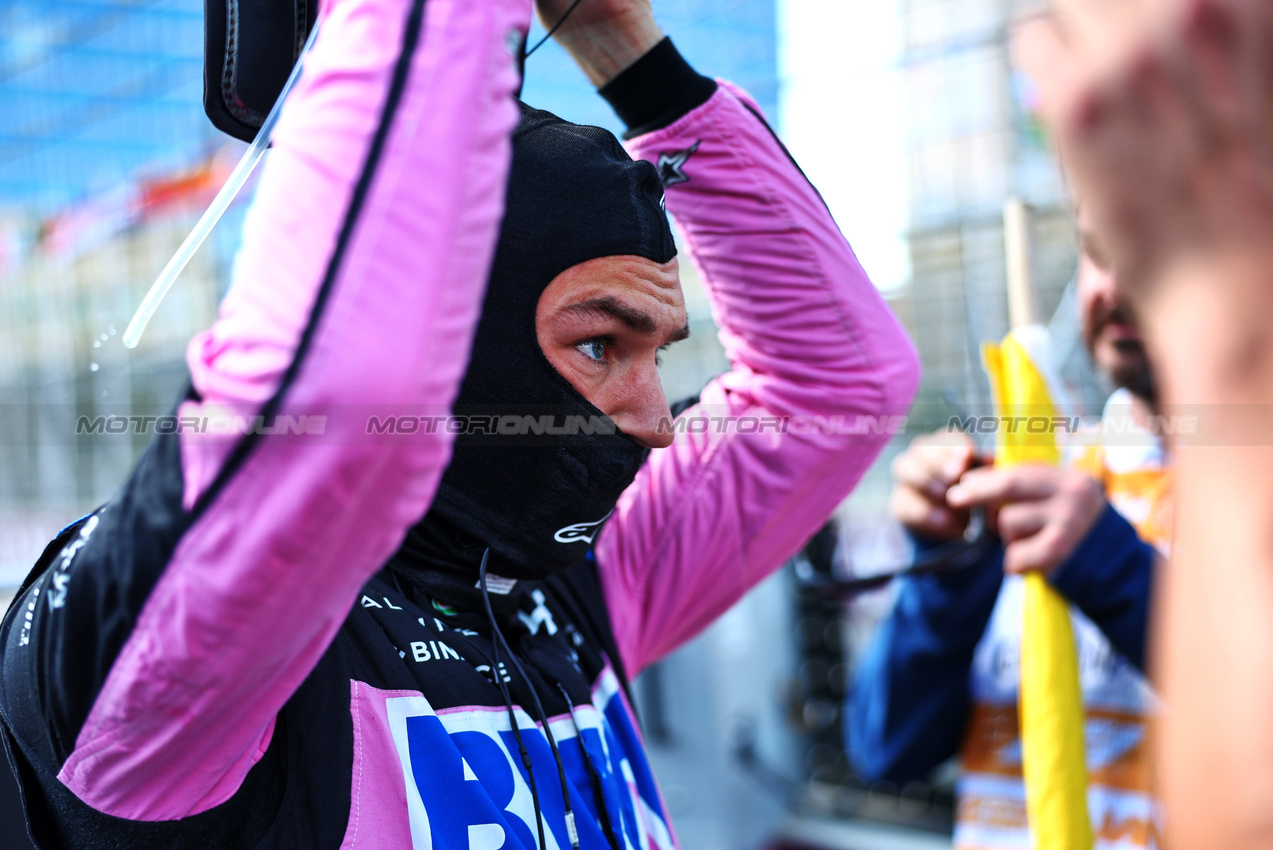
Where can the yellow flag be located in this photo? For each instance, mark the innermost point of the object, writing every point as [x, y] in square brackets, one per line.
[1051, 704]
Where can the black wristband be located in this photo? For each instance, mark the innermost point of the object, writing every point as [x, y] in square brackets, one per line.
[656, 90]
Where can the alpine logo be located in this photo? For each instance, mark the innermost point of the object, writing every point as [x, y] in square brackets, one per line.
[580, 532]
[541, 616]
[671, 165]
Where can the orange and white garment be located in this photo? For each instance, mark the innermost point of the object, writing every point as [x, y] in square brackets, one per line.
[1118, 702]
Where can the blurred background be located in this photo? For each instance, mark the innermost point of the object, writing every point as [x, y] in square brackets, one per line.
[906, 114]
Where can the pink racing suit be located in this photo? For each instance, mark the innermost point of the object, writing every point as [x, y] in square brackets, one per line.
[211, 660]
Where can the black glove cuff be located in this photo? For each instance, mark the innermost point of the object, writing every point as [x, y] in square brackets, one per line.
[656, 90]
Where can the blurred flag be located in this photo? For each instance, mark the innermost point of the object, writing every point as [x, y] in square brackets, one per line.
[191, 188]
[81, 227]
[1051, 703]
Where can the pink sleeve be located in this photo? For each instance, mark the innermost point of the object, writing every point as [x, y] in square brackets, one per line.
[822, 372]
[358, 287]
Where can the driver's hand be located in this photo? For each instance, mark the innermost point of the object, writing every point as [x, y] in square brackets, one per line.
[604, 37]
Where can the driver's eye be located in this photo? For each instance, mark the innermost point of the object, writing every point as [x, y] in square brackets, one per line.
[593, 349]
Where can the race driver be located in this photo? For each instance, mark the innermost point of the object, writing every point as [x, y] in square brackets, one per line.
[346, 634]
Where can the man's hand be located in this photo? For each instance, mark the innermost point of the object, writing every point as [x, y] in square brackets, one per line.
[922, 474]
[1042, 512]
[1163, 112]
[604, 37]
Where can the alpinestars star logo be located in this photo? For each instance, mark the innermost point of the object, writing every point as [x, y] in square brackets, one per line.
[671, 165]
[580, 532]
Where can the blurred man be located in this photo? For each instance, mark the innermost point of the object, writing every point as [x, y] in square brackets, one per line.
[1161, 109]
[942, 674]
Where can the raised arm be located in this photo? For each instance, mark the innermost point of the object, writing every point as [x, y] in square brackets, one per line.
[147, 665]
[821, 366]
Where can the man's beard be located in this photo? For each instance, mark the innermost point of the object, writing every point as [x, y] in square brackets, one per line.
[1134, 373]
[1131, 370]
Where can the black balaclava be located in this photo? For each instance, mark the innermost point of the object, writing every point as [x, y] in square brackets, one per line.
[537, 500]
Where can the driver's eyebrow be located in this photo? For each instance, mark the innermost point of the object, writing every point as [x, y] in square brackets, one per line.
[607, 306]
